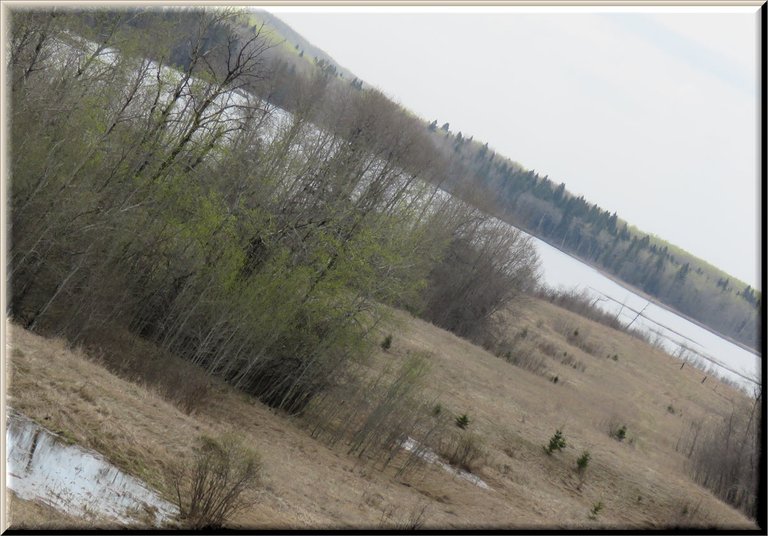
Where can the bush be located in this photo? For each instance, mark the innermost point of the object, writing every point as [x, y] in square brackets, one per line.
[583, 461]
[582, 303]
[487, 267]
[724, 456]
[189, 388]
[180, 382]
[556, 442]
[618, 432]
[463, 450]
[595, 511]
[386, 344]
[524, 355]
[462, 421]
[210, 489]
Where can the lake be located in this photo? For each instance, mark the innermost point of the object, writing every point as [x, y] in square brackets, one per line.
[677, 334]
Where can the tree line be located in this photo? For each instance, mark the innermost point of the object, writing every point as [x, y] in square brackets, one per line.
[547, 210]
[155, 185]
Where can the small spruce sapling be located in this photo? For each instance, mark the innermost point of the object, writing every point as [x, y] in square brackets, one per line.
[596, 508]
[581, 467]
[462, 421]
[583, 461]
[556, 442]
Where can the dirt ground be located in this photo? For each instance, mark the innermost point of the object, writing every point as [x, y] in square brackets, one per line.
[640, 482]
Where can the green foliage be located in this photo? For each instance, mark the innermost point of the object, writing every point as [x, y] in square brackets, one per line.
[583, 461]
[386, 344]
[146, 199]
[595, 510]
[462, 421]
[619, 433]
[601, 238]
[556, 442]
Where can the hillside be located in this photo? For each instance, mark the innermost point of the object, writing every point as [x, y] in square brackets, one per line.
[293, 39]
[310, 483]
[212, 243]
[596, 235]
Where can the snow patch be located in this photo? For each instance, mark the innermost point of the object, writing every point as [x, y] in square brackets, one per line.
[82, 483]
[411, 445]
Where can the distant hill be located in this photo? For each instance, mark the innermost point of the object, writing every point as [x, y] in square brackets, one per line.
[597, 236]
[295, 41]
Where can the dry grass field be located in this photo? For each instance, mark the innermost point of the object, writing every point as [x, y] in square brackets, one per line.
[641, 482]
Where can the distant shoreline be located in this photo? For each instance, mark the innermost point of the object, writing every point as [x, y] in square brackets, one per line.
[651, 299]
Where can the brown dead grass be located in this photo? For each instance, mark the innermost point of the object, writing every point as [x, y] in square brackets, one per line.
[309, 485]
[32, 515]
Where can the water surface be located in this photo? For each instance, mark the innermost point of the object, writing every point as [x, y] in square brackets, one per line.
[677, 334]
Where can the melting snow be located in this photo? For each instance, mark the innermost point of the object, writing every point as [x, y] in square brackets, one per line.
[79, 482]
[411, 445]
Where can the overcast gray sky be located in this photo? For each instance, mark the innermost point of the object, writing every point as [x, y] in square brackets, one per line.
[652, 114]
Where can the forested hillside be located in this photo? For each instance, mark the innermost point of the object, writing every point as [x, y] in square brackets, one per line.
[598, 236]
[547, 210]
[205, 226]
[155, 188]
[317, 93]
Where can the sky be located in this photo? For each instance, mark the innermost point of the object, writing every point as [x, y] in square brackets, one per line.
[649, 113]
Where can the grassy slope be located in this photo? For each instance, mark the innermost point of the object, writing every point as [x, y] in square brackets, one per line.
[308, 484]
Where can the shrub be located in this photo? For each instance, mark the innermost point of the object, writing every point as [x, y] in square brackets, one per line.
[180, 382]
[462, 421]
[582, 303]
[526, 356]
[549, 349]
[464, 450]
[413, 520]
[595, 511]
[556, 442]
[724, 456]
[583, 461]
[386, 344]
[573, 363]
[619, 433]
[210, 489]
[578, 337]
[189, 388]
